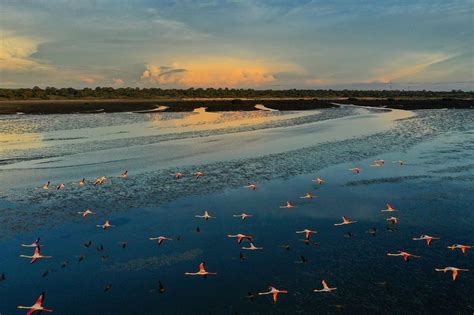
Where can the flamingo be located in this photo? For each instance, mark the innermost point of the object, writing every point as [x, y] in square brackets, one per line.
[390, 208]
[401, 162]
[37, 255]
[205, 216]
[86, 212]
[406, 256]
[308, 196]
[178, 175]
[34, 244]
[319, 181]
[274, 291]
[60, 186]
[46, 186]
[378, 163]
[37, 307]
[345, 220]
[82, 182]
[356, 170]
[160, 239]
[243, 216]
[394, 220]
[325, 288]
[125, 174]
[428, 238]
[100, 181]
[106, 225]
[251, 186]
[307, 233]
[241, 237]
[199, 174]
[288, 205]
[252, 247]
[463, 248]
[202, 271]
[454, 270]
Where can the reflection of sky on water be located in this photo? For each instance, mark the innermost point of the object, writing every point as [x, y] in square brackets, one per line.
[433, 192]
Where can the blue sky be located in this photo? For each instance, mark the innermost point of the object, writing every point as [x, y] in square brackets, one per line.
[238, 43]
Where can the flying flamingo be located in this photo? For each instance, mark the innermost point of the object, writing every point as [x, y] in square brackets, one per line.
[319, 181]
[125, 174]
[454, 270]
[82, 182]
[394, 220]
[274, 291]
[251, 186]
[252, 247]
[241, 237]
[428, 238]
[307, 233]
[86, 212]
[378, 163]
[243, 216]
[37, 307]
[100, 181]
[37, 255]
[106, 225]
[406, 256]
[202, 272]
[178, 175]
[401, 162]
[34, 244]
[345, 220]
[390, 208]
[356, 170]
[160, 239]
[205, 216]
[60, 186]
[199, 174]
[288, 205]
[463, 248]
[46, 186]
[325, 288]
[308, 196]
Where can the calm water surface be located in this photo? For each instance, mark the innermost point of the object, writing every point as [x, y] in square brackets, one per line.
[281, 152]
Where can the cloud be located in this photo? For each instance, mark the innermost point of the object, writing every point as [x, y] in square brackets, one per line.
[90, 78]
[409, 66]
[216, 72]
[16, 52]
[118, 82]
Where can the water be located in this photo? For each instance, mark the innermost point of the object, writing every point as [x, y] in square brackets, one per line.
[282, 152]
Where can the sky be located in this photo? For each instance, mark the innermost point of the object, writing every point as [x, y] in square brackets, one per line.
[279, 44]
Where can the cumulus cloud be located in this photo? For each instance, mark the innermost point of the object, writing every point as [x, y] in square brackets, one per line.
[215, 72]
[118, 82]
[90, 78]
[16, 52]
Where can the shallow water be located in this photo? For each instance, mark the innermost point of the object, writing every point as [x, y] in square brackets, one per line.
[280, 151]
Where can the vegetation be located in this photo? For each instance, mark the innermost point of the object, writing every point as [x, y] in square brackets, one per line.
[51, 93]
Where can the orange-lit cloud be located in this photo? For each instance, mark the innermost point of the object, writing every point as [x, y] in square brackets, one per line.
[216, 72]
[16, 51]
[90, 78]
[118, 82]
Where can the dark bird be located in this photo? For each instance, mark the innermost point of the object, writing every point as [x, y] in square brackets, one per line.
[2, 277]
[302, 260]
[372, 231]
[105, 257]
[348, 235]
[242, 257]
[88, 244]
[46, 273]
[107, 287]
[198, 229]
[286, 246]
[124, 244]
[81, 258]
[100, 248]
[161, 288]
[64, 264]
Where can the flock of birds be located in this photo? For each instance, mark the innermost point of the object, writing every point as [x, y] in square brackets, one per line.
[202, 272]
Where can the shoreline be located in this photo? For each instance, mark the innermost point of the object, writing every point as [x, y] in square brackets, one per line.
[86, 106]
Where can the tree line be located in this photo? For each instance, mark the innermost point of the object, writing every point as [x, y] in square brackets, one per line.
[51, 93]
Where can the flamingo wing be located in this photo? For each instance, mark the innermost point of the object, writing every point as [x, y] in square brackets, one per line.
[201, 267]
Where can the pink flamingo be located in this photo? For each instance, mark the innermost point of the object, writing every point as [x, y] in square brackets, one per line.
[202, 272]
[160, 239]
[454, 270]
[325, 288]
[37, 307]
[406, 256]
[274, 292]
[37, 255]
